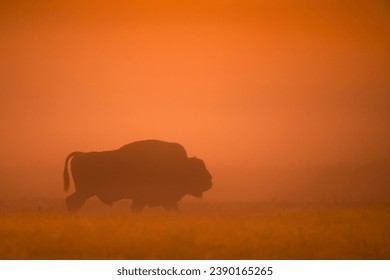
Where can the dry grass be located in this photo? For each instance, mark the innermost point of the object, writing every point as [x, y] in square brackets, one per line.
[199, 231]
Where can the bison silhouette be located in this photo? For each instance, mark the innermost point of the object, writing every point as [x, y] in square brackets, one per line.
[150, 172]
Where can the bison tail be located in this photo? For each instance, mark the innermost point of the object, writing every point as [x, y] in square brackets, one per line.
[66, 172]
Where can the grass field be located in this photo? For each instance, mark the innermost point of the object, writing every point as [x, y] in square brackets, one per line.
[43, 230]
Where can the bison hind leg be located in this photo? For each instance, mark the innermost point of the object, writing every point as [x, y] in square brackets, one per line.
[75, 201]
[171, 206]
[137, 206]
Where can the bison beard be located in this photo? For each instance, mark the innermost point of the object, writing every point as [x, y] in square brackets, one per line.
[152, 173]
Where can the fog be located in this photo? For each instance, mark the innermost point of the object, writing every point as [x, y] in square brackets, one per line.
[281, 101]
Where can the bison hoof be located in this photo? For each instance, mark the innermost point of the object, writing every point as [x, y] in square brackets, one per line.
[137, 206]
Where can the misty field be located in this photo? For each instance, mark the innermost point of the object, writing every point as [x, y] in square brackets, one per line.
[43, 230]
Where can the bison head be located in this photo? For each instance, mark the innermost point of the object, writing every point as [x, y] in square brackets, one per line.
[199, 179]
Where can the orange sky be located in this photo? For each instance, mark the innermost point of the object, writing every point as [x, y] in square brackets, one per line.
[238, 83]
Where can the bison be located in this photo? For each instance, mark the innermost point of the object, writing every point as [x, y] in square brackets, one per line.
[150, 172]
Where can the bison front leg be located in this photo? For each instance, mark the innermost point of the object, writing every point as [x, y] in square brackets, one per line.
[137, 206]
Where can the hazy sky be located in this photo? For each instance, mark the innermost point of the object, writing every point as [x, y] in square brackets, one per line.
[238, 83]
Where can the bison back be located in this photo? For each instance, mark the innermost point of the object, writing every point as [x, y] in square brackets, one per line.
[154, 150]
